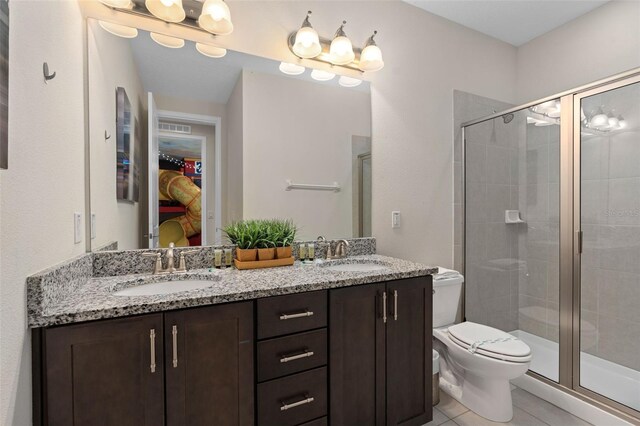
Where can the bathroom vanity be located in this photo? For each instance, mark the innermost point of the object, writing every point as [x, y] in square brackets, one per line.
[308, 344]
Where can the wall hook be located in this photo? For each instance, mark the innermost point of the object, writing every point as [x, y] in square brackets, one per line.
[107, 136]
[45, 71]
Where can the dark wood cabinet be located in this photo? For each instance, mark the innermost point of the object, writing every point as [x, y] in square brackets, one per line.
[209, 365]
[105, 373]
[196, 365]
[380, 353]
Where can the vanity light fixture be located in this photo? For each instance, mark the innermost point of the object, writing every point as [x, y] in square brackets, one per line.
[291, 69]
[211, 51]
[216, 17]
[371, 56]
[167, 41]
[341, 50]
[118, 4]
[167, 10]
[307, 42]
[613, 122]
[345, 81]
[119, 30]
[322, 75]
[600, 119]
[622, 123]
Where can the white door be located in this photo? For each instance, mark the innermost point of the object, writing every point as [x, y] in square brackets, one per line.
[154, 128]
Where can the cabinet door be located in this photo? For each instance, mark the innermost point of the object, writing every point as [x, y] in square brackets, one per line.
[104, 373]
[409, 351]
[209, 365]
[357, 356]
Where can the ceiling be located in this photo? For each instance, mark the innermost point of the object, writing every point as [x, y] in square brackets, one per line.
[513, 21]
[185, 73]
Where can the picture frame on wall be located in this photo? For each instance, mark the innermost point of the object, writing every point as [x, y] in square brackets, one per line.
[4, 84]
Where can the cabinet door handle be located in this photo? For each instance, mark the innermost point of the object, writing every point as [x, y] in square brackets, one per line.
[305, 354]
[395, 305]
[174, 336]
[307, 400]
[306, 313]
[384, 306]
[152, 342]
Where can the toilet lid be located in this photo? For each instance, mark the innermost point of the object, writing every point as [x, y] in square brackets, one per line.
[489, 341]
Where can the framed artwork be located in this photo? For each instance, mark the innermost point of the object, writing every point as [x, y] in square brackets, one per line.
[124, 154]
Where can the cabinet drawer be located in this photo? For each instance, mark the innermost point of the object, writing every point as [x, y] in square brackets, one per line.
[291, 313]
[291, 354]
[294, 399]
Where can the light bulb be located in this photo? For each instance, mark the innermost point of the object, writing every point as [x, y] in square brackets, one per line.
[371, 56]
[216, 17]
[119, 30]
[341, 50]
[291, 69]
[211, 51]
[167, 41]
[167, 10]
[345, 81]
[322, 75]
[307, 42]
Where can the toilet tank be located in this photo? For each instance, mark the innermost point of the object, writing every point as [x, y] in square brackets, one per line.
[447, 288]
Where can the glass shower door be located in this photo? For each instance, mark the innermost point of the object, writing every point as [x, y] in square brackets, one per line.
[608, 360]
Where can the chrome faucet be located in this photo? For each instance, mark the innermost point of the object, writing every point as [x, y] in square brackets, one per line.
[170, 256]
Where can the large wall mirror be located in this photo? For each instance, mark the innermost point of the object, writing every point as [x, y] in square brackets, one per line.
[182, 144]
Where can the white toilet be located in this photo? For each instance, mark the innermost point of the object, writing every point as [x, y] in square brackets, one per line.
[476, 361]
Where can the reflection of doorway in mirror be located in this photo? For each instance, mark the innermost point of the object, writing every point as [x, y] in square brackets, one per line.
[361, 184]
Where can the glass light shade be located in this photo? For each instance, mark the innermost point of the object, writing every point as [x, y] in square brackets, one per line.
[118, 4]
[307, 44]
[119, 30]
[211, 51]
[371, 58]
[622, 123]
[322, 75]
[341, 51]
[167, 10]
[216, 17]
[291, 69]
[614, 123]
[345, 81]
[599, 120]
[546, 107]
[167, 41]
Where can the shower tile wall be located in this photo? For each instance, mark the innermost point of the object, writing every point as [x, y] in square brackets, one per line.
[611, 254]
[466, 107]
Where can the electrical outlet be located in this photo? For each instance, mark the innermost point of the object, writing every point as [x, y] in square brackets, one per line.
[395, 219]
[93, 226]
[77, 227]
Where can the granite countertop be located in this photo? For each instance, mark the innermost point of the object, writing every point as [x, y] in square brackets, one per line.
[93, 298]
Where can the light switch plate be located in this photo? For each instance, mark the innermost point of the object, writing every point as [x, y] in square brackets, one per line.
[77, 227]
[395, 219]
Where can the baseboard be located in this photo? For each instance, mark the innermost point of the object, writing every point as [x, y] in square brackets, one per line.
[569, 403]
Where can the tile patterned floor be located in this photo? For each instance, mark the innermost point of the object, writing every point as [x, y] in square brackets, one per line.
[528, 410]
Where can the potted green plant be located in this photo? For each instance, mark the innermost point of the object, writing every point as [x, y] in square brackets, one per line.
[266, 241]
[244, 235]
[285, 234]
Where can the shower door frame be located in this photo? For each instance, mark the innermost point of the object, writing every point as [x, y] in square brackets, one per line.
[570, 237]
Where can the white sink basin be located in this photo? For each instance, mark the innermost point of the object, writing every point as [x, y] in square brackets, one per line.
[164, 287]
[357, 267]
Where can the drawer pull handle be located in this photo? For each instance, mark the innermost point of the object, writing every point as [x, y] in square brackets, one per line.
[298, 315]
[152, 341]
[174, 335]
[308, 400]
[305, 354]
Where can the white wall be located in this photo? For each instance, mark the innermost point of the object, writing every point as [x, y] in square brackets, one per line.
[44, 184]
[232, 190]
[111, 65]
[601, 43]
[301, 131]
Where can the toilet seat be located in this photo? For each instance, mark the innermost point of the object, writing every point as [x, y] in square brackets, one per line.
[490, 342]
